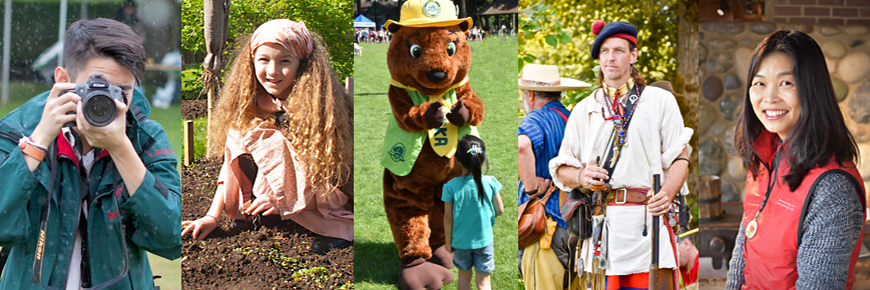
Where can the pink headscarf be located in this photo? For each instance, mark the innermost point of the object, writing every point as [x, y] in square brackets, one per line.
[293, 36]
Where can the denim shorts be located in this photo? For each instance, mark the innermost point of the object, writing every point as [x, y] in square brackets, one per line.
[482, 259]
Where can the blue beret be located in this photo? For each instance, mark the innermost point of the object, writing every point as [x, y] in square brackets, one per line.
[614, 29]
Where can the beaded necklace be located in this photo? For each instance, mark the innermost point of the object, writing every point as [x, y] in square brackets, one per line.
[619, 118]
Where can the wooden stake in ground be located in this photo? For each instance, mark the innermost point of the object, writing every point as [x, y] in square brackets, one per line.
[188, 143]
[216, 14]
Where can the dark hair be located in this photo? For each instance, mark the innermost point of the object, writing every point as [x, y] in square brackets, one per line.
[471, 153]
[552, 96]
[635, 74]
[86, 39]
[820, 132]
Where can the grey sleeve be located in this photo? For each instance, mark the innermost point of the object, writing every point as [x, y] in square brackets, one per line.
[735, 267]
[831, 228]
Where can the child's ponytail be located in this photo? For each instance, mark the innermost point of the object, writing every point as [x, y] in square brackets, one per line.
[471, 153]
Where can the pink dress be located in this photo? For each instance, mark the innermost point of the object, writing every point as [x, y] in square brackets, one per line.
[282, 175]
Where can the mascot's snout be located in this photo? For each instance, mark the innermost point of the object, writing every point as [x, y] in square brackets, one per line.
[436, 75]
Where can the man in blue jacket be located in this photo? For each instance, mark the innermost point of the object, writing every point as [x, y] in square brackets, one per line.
[539, 140]
[81, 205]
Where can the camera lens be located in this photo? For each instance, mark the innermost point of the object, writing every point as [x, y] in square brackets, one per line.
[99, 109]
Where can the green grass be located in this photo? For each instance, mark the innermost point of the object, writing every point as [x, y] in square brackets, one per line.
[170, 272]
[492, 77]
[170, 118]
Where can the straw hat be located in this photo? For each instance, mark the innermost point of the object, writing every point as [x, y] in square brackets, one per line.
[429, 13]
[545, 78]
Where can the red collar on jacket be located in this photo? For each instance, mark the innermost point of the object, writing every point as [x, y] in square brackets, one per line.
[765, 147]
[66, 149]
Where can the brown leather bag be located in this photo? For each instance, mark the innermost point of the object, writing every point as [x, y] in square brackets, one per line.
[531, 224]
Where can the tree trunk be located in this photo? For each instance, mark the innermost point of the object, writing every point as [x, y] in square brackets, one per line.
[687, 68]
[462, 13]
[216, 18]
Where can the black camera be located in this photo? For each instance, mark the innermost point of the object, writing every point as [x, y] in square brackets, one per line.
[97, 105]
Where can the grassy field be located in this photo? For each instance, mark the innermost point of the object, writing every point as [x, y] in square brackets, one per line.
[492, 76]
[170, 119]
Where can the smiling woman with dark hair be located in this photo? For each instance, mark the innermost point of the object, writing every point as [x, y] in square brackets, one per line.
[804, 204]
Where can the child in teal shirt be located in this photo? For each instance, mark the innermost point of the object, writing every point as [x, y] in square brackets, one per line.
[470, 199]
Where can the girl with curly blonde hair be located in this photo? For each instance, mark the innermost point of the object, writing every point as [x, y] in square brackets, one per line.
[284, 125]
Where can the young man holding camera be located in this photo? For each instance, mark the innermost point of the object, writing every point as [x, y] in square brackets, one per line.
[84, 195]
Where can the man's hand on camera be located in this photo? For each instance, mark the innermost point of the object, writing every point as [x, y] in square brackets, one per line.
[200, 228]
[54, 113]
[108, 137]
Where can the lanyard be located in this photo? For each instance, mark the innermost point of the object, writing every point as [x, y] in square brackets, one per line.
[752, 228]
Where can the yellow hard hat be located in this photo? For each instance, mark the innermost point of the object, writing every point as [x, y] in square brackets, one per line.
[429, 13]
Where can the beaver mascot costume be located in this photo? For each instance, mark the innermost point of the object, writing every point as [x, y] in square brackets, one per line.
[433, 107]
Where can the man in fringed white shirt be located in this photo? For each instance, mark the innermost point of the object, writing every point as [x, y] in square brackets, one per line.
[634, 131]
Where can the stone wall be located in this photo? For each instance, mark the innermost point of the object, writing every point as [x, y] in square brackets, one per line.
[725, 52]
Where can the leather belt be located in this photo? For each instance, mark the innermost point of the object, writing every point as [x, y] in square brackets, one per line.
[627, 195]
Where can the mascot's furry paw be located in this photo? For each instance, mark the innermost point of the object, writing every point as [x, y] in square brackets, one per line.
[459, 114]
[434, 116]
[416, 273]
[441, 256]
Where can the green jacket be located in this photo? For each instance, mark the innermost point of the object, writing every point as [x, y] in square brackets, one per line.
[149, 220]
[401, 148]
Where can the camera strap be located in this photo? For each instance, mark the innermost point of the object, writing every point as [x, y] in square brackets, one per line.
[137, 112]
[14, 137]
[38, 261]
[43, 217]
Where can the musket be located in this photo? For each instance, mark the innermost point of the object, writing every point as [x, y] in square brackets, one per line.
[654, 279]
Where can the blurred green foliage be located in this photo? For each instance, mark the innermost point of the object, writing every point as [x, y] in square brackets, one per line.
[332, 20]
[559, 33]
[191, 85]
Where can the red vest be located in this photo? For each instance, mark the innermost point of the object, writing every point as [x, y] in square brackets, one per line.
[771, 254]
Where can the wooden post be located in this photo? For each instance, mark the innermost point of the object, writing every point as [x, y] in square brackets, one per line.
[348, 84]
[189, 149]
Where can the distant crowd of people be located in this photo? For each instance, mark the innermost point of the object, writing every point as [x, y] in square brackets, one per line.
[476, 33]
[370, 35]
[381, 35]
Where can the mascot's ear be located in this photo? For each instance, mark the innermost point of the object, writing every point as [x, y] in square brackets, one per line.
[463, 25]
[395, 27]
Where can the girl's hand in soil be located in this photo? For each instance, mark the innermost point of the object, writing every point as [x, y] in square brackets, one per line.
[265, 203]
[200, 227]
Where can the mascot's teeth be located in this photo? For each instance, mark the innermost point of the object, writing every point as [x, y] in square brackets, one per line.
[775, 113]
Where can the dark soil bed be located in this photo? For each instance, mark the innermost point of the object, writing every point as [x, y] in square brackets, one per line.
[193, 109]
[276, 256]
